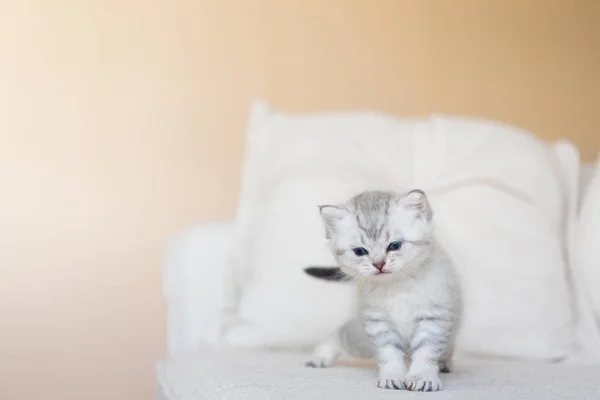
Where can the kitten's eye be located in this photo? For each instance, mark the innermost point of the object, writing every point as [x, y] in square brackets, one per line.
[360, 251]
[394, 246]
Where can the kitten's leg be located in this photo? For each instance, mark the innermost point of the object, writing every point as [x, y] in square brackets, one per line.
[351, 339]
[445, 366]
[392, 367]
[389, 353]
[428, 345]
[326, 353]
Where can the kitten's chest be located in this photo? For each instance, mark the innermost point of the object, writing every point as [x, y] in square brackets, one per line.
[400, 309]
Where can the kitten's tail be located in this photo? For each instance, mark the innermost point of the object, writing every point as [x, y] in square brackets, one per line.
[328, 273]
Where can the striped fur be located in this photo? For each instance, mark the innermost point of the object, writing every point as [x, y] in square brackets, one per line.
[409, 315]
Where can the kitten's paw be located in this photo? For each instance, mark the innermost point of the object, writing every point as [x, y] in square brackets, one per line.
[423, 383]
[392, 371]
[318, 363]
[394, 384]
[445, 366]
[324, 355]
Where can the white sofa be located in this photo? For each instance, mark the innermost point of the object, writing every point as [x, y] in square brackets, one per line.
[238, 374]
[198, 291]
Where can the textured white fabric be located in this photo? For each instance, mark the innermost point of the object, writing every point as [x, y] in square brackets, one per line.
[502, 200]
[586, 346]
[196, 285]
[185, 266]
[587, 172]
[211, 375]
[587, 243]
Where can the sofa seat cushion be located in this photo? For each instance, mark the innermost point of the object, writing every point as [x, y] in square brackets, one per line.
[235, 374]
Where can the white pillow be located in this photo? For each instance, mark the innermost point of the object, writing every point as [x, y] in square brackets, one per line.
[500, 200]
[586, 267]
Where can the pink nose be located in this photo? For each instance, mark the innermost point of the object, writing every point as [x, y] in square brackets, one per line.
[379, 265]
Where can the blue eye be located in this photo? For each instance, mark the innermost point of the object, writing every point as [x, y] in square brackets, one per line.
[394, 246]
[360, 251]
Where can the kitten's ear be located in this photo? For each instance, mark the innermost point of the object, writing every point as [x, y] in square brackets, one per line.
[417, 201]
[332, 217]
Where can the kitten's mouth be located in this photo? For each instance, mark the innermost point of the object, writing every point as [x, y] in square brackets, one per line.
[382, 272]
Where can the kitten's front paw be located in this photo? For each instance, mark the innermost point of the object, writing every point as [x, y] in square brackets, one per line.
[394, 384]
[392, 371]
[429, 382]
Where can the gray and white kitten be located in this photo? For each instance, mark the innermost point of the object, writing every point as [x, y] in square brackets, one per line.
[409, 297]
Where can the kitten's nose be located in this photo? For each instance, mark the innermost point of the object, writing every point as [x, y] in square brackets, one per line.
[379, 265]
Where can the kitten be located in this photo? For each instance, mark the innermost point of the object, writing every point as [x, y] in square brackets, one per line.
[409, 298]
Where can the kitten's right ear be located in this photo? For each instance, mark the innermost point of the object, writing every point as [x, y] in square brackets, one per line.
[417, 201]
[332, 217]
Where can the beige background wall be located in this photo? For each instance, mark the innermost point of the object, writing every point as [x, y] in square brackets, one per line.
[121, 122]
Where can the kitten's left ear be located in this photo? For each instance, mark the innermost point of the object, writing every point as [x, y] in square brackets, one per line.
[417, 200]
[332, 217]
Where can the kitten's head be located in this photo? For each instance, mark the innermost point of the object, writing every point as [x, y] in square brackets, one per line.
[380, 236]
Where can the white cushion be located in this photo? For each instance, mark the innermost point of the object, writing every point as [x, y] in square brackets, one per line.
[587, 261]
[220, 375]
[587, 172]
[196, 285]
[501, 199]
